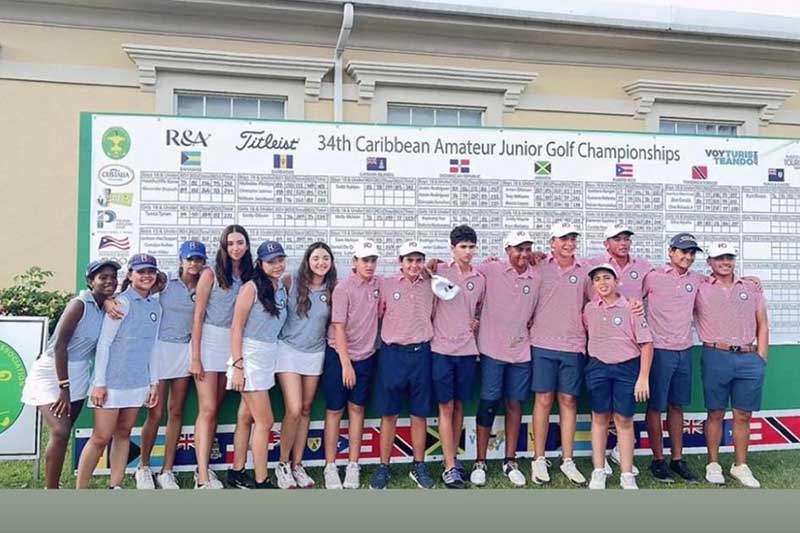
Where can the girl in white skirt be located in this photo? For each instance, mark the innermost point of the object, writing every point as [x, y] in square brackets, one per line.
[172, 357]
[124, 375]
[216, 295]
[59, 379]
[257, 319]
[301, 353]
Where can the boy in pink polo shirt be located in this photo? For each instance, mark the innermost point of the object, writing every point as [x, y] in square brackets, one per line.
[632, 269]
[404, 365]
[731, 318]
[620, 347]
[349, 361]
[558, 341]
[454, 348]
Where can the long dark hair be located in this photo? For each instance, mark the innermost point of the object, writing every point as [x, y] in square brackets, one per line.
[305, 275]
[223, 266]
[265, 290]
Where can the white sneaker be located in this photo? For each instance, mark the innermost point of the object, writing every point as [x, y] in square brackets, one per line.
[284, 474]
[616, 460]
[302, 478]
[598, 481]
[745, 476]
[478, 475]
[352, 476]
[628, 481]
[714, 474]
[144, 478]
[512, 471]
[332, 479]
[213, 482]
[607, 469]
[166, 481]
[539, 473]
[570, 469]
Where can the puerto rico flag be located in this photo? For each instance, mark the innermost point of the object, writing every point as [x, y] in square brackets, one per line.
[106, 241]
[700, 172]
[459, 166]
[624, 170]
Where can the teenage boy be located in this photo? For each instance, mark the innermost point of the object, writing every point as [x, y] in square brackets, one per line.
[620, 349]
[349, 361]
[731, 317]
[404, 365]
[631, 269]
[512, 288]
[558, 343]
[671, 291]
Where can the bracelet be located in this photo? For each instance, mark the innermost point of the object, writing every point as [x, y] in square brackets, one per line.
[62, 381]
[63, 386]
[241, 366]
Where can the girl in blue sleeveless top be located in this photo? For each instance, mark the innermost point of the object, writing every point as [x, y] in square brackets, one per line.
[301, 353]
[58, 382]
[257, 319]
[172, 355]
[216, 294]
[125, 378]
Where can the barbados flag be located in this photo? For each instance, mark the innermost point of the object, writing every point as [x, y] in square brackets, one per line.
[283, 161]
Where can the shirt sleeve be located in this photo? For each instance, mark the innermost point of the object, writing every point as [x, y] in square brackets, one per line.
[153, 356]
[340, 300]
[641, 330]
[107, 334]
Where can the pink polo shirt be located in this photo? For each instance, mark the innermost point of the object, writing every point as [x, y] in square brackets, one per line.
[355, 304]
[507, 308]
[631, 276]
[558, 318]
[670, 306]
[451, 320]
[728, 314]
[409, 309]
[614, 332]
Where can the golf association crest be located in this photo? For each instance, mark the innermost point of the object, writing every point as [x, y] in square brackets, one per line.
[573, 279]
[617, 320]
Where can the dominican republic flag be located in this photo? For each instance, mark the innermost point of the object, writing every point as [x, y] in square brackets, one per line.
[624, 170]
[459, 166]
[700, 172]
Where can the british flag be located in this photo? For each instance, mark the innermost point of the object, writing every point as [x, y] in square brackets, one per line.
[186, 441]
[693, 427]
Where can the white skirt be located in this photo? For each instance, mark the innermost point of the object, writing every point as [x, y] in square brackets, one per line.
[297, 362]
[41, 386]
[122, 398]
[172, 359]
[215, 348]
[259, 365]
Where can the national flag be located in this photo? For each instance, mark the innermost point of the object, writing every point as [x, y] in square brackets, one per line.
[542, 168]
[624, 170]
[186, 441]
[283, 161]
[376, 163]
[699, 172]
[106, 241]
[693, 427]
[775, 174]
[190, 159]
[459, 166]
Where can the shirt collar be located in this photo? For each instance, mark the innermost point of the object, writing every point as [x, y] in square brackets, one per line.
[714, 280]
[576, 264]
[621, 302]
[509, 268]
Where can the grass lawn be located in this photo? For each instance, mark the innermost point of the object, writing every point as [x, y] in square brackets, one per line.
[775, 470]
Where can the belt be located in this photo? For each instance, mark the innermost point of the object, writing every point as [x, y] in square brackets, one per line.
[415, 347]
[746, 348]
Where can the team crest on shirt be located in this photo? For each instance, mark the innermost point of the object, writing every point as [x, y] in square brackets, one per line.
[470, 286]
[376, 294]
[617, 320]
[193, 297]
[323, 298]
[396, 295]
[153, 317]
[573, 279]
[689, 287]
[634, 274]
[526, 289]
[743, 296]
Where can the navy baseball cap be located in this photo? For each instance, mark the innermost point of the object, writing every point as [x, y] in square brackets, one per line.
[95, 266]
[684, 241]
[142, 261]
[191, 249]
[270, 250]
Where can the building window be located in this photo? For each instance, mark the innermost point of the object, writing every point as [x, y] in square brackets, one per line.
[433, 116]
[698, 127]
[229, 106]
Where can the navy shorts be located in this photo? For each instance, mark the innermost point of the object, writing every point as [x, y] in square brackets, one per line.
[336, 395]
[670, 379]
[556, 371]
[453, 377]
[733, 377]
[611, 386]
[502, 380]
[404, 371]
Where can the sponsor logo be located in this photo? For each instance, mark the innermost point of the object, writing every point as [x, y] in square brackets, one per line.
[700, 172]
[12, 379]
[689, 287]
[108, 198]
[115, 175]
[573, 279]
[470, 286]
[107, 241]
[617, 320]
[743, 296]
[542, 168]
[624, 170]
[459, 166]
[792, 160]
[283, 161]
[526, 289]
[377, 164]
[190, 160]
[187, 138]
[634, 274]
[153, 317]
[116, 143]
[260, 140]
[396, 296]
[105, 216]
[746, 158]
[776, 175]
